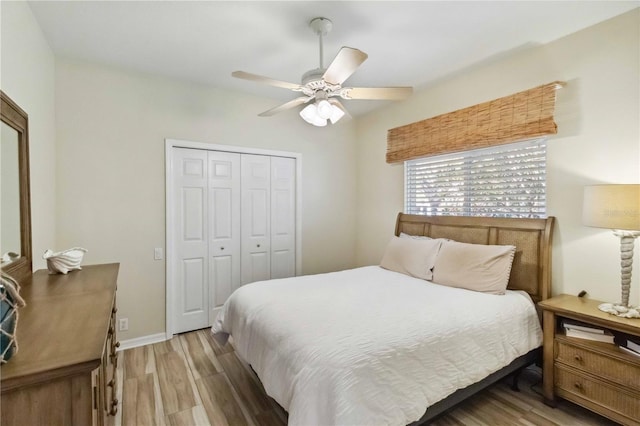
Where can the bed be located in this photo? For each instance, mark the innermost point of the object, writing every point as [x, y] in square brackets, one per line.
[374, 346]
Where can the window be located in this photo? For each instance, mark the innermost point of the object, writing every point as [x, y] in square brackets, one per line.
[501, 181]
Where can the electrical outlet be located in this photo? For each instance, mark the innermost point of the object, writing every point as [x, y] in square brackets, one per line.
[123, 324]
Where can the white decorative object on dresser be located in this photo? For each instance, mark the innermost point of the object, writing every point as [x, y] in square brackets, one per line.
[64, 261]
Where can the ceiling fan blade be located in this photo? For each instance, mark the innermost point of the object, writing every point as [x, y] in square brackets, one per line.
[344, 64]
[266, 80]
[285, 106]
[383, 93]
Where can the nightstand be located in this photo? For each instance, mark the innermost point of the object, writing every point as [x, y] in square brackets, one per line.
[596, 375]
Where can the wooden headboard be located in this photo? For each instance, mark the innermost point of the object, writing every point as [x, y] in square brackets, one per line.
[531, 270]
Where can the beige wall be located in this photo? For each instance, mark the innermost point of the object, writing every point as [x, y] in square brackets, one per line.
[111, 127]
[27, 77]
[598, 116]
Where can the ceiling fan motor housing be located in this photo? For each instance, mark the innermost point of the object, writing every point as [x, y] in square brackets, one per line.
[313, 75]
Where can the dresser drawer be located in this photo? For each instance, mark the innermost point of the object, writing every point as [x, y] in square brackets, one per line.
[616, 370]
[616, 399]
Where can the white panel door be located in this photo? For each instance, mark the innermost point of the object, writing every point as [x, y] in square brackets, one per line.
[283, 213]
[224, 227]
[191, 294]
[233, 221]
[255, 217]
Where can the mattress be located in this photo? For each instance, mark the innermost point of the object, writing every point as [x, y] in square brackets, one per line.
[368, 346]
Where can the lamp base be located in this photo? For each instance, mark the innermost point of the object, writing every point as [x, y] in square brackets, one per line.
[620, 310]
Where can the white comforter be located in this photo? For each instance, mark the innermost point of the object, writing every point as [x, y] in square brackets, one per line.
[369, 346]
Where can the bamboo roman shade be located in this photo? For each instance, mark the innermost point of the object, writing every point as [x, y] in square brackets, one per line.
[520, 116]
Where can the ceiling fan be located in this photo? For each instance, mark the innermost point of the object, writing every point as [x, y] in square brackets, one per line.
[324, 85]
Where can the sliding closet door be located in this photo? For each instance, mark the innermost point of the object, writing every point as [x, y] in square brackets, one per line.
[224, 227]
[190, 267]
[255, 218]
[283, 213]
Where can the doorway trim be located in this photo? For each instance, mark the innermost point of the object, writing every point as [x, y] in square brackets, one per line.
[170, 144]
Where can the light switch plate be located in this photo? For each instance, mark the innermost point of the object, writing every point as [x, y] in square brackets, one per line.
[123, 324]
[157, 253]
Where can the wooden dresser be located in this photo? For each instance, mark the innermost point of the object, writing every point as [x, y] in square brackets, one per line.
[596, 375]
[64, 372]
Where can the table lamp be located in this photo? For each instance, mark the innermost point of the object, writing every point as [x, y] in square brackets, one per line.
[616, 207]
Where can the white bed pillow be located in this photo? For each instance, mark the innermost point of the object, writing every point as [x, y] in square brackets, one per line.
[483, 268]
[415, 237]
[413, 257]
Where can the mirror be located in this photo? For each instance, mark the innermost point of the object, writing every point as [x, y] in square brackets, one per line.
[10, 195]
[15, 213]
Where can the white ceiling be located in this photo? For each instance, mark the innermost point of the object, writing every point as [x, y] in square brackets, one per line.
[409, 43]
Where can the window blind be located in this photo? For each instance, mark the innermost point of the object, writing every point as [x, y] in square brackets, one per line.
[521, 116]
[502, 181]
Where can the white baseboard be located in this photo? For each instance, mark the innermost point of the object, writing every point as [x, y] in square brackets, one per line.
[141, 341]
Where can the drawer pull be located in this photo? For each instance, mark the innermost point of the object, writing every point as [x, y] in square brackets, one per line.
[577, 385]
[577, 357]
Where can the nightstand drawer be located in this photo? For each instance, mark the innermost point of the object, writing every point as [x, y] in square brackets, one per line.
[597, 364]
[626, 403]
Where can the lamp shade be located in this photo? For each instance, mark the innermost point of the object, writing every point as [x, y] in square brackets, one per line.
[310, 115]
[336, 114]
[324, 109]
[612, 207]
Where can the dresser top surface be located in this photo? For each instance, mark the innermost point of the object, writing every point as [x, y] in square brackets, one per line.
[65, 321]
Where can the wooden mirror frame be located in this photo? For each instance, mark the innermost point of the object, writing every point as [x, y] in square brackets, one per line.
[16, 118]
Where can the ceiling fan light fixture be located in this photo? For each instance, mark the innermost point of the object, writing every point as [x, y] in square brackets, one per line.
[310, 115]
[324, 109]
[336, 114]
[320, 111]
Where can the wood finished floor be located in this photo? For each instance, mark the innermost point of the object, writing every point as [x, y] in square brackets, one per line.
[191, 380]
